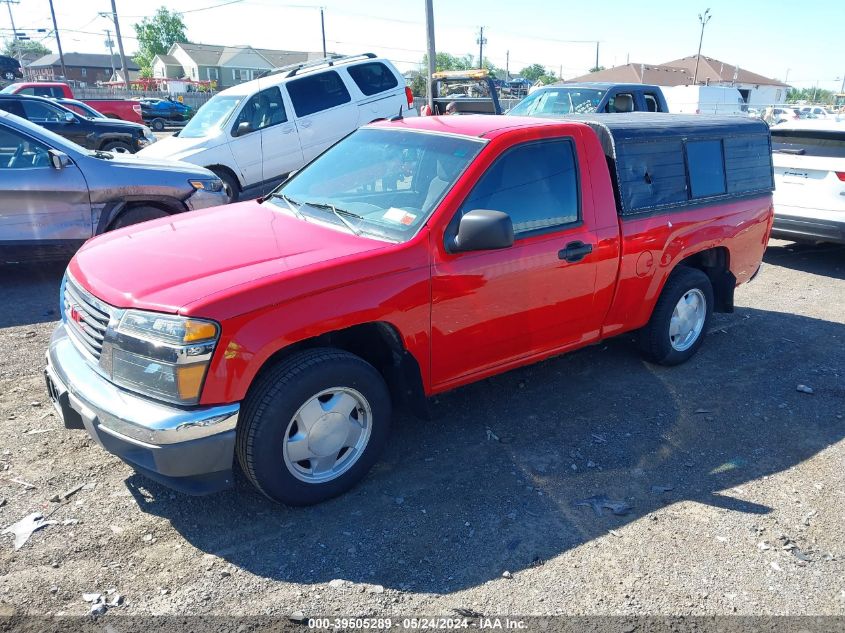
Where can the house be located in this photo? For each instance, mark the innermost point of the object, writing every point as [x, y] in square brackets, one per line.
[755, 89]
[85, 68]
[225, 65]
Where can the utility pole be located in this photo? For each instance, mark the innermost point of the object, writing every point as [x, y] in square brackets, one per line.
[704, 19]
[58, 40]
[508, 65]
[323, 29]
[14, 32]
[432, 57]
[110, 44]
[597, 56]
[481, 41]
[119, 44]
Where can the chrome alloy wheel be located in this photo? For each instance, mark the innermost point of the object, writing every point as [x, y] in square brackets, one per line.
[688, 320]
[327, 435]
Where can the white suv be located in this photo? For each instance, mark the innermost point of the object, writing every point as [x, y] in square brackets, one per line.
[809, 198]
[254, 134]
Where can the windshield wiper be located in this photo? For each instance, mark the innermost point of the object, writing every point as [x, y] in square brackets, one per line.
[98, 153]
[339, 213]
[293, 205]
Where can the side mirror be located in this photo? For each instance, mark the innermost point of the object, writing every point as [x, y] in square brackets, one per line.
[483, 230]
[244, 127]
[59, 160]
[70, 118]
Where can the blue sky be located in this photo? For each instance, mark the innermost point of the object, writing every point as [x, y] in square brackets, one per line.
[770, 38]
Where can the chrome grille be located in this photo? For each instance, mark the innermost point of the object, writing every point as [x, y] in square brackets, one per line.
[86, 317]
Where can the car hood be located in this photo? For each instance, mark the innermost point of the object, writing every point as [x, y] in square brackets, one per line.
[178, 147]
[137, 161]
[168, 264]
[116, 125]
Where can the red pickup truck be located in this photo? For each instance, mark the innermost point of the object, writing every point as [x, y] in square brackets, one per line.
[124, 109]
[411, 258]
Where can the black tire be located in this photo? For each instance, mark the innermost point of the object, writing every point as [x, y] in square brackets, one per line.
[157, 125]
[230, 184]
[655, 340]
[9, 75]
[274, 400]
[135, 215]
[119, 147]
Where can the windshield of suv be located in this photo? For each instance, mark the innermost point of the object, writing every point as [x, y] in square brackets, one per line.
[379, 182]
[551, 102]
[212, 116]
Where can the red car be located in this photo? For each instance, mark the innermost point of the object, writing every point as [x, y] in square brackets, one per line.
[124, 109]
[412, 257]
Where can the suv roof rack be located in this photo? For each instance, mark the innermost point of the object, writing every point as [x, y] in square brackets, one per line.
[293, 69]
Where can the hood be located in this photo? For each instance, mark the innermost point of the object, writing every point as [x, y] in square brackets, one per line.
[145, 162]
[117, 125]
[179, 148]
[167, 264]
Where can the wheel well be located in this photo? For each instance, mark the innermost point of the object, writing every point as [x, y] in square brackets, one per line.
[380, 344]
[715, 263]
[134, 205]
[218, 168]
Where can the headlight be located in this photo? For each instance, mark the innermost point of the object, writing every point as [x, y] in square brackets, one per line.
[210, 184]
[164, 356]
[149, 137]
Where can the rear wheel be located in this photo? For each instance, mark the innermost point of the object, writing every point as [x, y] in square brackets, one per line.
[136, 215]
[313, 426]
[118, 147]
[157, 125]
[679, 322]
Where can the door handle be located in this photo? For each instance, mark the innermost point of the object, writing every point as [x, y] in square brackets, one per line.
[575, 251]
[305, 123]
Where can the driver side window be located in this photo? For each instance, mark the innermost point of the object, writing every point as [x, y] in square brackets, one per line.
[263, 110]
[19, 152]
[41, 112]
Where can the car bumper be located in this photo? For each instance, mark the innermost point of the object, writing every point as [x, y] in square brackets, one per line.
[203, 199]
[187, 449]
[805, 228]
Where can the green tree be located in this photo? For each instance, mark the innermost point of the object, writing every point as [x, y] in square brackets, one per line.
[534, 72]
[14, 48]
[596, 69]
[811, 95]
[446, 61]
[156, 35]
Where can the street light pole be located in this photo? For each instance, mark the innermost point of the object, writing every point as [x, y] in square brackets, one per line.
[429, 27]
[58, 40]
[119, 44]
[704, 19]
[481, 43]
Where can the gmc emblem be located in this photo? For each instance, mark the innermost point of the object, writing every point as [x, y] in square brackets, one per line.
[76, 315]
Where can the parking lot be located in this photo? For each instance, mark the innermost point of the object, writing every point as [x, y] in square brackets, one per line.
[588, 484]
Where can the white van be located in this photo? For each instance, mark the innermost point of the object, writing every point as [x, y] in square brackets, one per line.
[254, 134]
[703, 100]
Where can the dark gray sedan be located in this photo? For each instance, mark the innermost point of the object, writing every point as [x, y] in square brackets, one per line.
[54, 194]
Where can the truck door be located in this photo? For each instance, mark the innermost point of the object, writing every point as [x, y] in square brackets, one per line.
[37, 201]
[490, 308]
[55, 120]
[324, 111]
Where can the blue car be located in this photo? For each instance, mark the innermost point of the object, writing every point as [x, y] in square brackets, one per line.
[159, 112]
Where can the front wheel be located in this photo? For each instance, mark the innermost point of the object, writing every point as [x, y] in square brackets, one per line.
[136, 215]
[118, 147]
[679, 322]
[313, 426]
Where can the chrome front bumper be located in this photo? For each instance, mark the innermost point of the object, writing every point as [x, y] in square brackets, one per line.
[190, 449]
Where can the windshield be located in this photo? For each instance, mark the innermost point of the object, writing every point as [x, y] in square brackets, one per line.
[211, 117]
[551, 102]
[382, 182]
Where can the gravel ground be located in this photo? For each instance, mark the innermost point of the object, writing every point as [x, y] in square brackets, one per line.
[728, 482]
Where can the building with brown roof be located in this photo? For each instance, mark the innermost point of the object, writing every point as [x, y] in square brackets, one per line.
[755, 89]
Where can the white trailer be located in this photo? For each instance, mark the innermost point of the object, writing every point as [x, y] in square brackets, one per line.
[703, 100]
